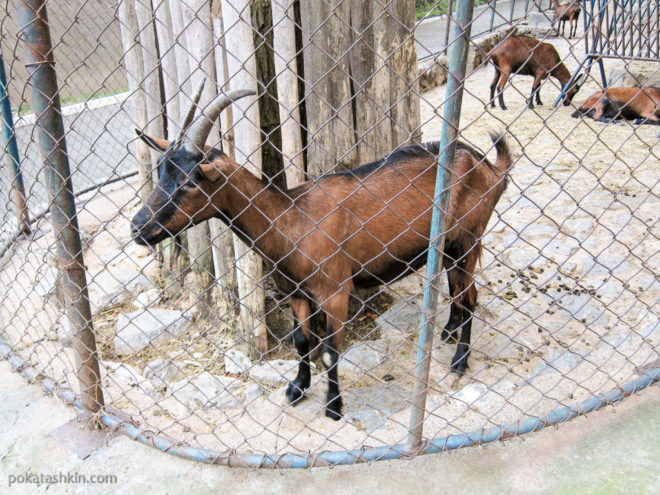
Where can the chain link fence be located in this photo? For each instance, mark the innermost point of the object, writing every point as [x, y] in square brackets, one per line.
[245, 285]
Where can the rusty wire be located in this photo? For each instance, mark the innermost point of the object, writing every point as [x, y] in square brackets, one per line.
[568, 281]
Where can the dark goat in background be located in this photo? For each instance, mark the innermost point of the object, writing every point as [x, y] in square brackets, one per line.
[528, 56]
[330, 235]
[569, 12]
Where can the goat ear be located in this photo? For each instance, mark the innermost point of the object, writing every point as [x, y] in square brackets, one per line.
[153, 143]
[213, 170]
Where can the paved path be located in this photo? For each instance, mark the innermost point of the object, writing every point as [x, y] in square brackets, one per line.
[430, 34]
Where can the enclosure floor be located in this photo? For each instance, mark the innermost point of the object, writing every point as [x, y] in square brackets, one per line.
[576, 221]
[615, 450]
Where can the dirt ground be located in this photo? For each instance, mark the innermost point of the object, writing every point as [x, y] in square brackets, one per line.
[568, 292]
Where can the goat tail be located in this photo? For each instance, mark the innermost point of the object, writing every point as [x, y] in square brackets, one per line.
[504, 161]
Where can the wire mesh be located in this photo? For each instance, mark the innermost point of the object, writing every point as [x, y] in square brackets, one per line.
[200, 334]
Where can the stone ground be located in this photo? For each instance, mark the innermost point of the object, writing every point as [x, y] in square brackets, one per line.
[612, 451]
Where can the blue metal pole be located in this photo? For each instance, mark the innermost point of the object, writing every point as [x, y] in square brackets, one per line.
[452, 113]
[493, 6]
[9, 144]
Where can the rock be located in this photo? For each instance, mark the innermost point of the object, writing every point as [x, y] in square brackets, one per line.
[274, 372]
[432, 73]
[385, 399]
[206, 391]
[252, 392]
[636, 74]
[236, 363]
[364, 358]
[141, 328]
[369, 421]
[114, 287]
[46, 284]
[408, 287]
[472, 394]
[161, 372]
[64, 330]
[401, 320]
[148, 298]
[557, 360]
[125, 376]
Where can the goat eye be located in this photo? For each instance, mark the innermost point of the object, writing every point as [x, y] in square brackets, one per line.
[189, 185]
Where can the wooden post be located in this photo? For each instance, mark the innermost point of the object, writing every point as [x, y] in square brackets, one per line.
[151, 81]
[170, 78]
[216, 245]
[247, 140]
[326, 37]
[286, 69]
[135, 75]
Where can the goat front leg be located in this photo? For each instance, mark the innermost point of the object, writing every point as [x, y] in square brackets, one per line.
[536, 88]
[301, 338]
[336, 309]
[464, 297]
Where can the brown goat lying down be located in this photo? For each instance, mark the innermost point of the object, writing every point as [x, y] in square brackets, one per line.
[641, 105]
[330, 235]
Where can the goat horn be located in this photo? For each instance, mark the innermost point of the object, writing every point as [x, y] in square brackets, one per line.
[195, 139]
[191, 111]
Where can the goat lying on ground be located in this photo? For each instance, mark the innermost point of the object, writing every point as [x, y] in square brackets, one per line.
[641, 105]
[569, 12]
[330, 235]
[528, 56]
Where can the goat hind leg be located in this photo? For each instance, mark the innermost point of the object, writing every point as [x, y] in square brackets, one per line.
[504, 77]
[336, 309]
[450, 331]
[301, 338]
[493, 85]
[459, 362]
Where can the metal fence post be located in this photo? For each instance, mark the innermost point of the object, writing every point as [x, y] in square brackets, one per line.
[46, 105]
[9, 144]
[493, 7]
[452, 112]
[449, 14]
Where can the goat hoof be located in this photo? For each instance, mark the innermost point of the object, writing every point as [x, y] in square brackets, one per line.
[333, 409]
[459, 366]
[294, 393]
[448, 336]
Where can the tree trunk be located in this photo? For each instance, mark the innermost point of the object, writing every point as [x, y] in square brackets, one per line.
[330, 127]
[242, 74]
[135, 75]
[286, 70]
[269, 115]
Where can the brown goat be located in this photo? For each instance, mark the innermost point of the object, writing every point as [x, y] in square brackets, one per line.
[641, 105]
[569, 12]
[330, 235]
[529, 57]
